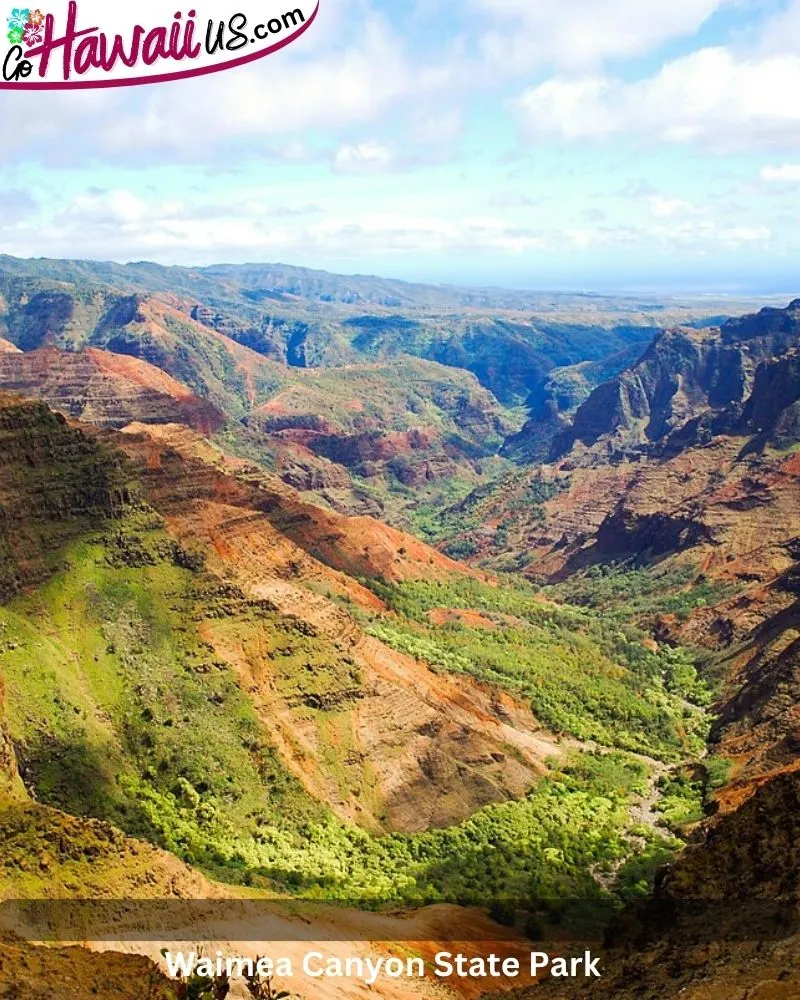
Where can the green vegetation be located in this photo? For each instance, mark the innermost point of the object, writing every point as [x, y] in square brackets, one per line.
[584, 674]
[609, 774]
[682, 795]
[128, 671]
[628, 591]
[687, 790]
[121, 709]
[458, 521]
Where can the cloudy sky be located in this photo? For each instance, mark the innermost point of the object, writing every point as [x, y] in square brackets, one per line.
[534, 143]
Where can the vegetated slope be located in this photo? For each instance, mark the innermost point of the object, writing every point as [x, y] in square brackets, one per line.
[693, 530]
[228, 284]
[130, 604]
[408, 432]
[11, 786]
[512, 354]
[376, 718]
[204, 683]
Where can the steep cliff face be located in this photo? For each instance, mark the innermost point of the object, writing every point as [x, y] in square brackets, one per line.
[757, 724]
[773, 410]
[689, 385]
[40, 314]
[105, 389]
[554, 402]
[54, 484]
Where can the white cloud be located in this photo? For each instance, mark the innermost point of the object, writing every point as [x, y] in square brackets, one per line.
[364, 158]
[709, 97]
[781, 32]
[121, 225]
[662, 207]
[113, 208]
[572, 34]
[786, 173]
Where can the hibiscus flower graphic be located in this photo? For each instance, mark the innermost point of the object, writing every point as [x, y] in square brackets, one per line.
[15, 36]
[20, 16]
[36, 18]
[33, 34]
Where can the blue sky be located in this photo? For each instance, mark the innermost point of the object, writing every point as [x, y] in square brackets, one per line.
[532, 143]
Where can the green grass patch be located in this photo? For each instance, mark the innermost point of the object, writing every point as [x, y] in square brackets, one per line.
[583, 674]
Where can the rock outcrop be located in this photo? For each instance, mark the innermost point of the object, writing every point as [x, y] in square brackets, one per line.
[105, 389]
[690, 385]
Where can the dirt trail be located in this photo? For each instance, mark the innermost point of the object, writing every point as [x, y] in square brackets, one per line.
[645, 811]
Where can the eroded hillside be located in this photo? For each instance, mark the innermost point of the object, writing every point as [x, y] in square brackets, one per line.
[136, 547]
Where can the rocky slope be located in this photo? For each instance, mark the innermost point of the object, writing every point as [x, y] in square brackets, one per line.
[202, 676]
[700, 458]
[179, 467]
[407, 421]
[510, 341]
[35, 973]
[692, 384]
[320, 364]
[106, 389]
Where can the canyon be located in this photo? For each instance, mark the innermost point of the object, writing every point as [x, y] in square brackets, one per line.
[287, 611]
